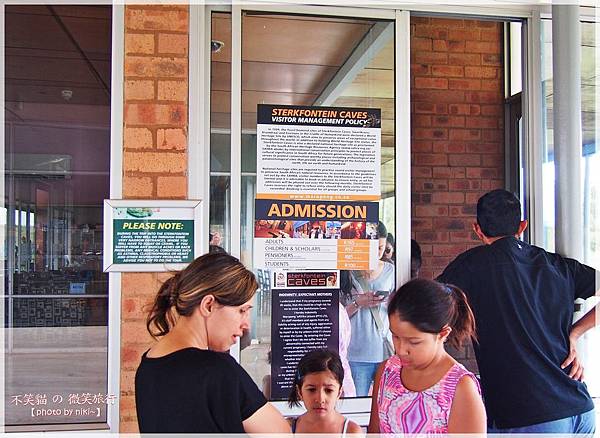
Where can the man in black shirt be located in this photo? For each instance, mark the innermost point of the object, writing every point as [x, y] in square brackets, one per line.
[523, 301]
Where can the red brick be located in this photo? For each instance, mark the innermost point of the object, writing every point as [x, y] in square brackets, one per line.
[431, 57]
[464, 59]
[456, 46]
[420, 20]
[171, 139]
[431, 159]
[440, 46]
[449, 146]
[448, 121]
[451, 250]
[138, 90]
[482, 122]
[484, 148]
[424, 172]
[483, 47]
[139, 43]
[430, 134]
[472, 198]
[441, 96]
[138, 138]
[424, 108]
[466, 237]
[492, 160]
[155, 114]
[173, 90]
[161, 162]
[450, 224]
[489, 59]
[492, 110]
[420, 44]
[421, 146]
[172, 44]
[491, 85]
[448, 198]
[464, 34]
[137, 187]
[420, 70]
[448, 70]
[483, 97]
[431, 210]
[442, 172]
[155, 67]
[481, 72]
[464, 160]
[433, 83]
[150, 19]
[464, 84]
[421, 121]
[465, 134]
[421, 223]
[482, 172]
[436, 32]
[432, 236]
[464, 109]
[492, 135]
[171, 186]
[491, 35]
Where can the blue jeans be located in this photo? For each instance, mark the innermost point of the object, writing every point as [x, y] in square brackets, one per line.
[362, 374]
[583, 423]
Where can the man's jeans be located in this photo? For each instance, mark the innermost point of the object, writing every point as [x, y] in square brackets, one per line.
[363, 374]
[583, 423]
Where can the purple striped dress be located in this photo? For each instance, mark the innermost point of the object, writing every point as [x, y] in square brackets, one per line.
[405, 411]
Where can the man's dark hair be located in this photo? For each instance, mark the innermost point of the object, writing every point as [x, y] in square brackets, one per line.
[499, 213]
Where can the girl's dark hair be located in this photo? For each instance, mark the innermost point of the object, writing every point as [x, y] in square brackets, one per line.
[218, 274]
[316, 361]
[429, 306]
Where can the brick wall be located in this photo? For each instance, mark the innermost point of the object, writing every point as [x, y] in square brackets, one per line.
[457, 134]
[154, 156]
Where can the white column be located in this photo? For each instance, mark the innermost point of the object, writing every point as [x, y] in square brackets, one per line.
[566, 67]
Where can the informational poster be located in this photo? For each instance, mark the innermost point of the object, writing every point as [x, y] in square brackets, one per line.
[305, 317]
[318, 187]
[145, 236]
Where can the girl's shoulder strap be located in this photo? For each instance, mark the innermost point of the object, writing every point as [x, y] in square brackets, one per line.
[345, 428]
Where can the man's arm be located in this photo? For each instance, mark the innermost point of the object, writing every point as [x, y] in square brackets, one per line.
[581, 326]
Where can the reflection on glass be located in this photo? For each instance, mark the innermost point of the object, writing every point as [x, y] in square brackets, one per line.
[306, 65]
[590, 175]
[57, 164]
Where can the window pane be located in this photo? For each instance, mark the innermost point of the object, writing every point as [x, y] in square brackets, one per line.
[296, 68]
[57, 164]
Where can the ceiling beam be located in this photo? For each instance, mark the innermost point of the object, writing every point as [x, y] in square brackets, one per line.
[373, 41]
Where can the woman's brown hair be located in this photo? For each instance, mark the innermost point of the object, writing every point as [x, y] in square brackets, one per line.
[217, 274]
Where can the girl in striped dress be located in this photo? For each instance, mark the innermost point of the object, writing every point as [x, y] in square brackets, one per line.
[422, 389]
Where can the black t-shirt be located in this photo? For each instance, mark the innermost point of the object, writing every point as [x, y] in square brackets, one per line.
[523, 301]
[194, 391]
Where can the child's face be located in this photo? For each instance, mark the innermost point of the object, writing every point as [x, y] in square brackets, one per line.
[319, 392]
[416, 349]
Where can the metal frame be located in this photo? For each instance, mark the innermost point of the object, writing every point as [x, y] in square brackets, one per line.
[2, 229]
[110, 204]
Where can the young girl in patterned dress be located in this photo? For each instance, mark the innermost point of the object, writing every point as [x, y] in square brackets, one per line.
[422, 389]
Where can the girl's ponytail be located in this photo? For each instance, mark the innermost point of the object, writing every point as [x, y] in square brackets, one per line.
[160, 319]
[462, 319]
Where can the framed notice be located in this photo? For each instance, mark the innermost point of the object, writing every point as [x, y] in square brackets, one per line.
[151, 235]
[318, 187]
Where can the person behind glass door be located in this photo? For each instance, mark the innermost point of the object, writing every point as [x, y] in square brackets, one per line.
[421, 389]
[366, 307]
[318, 384]
[188, 382]
[389, 254]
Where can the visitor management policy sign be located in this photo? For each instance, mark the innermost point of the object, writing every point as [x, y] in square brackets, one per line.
[318, 187]
[150, 235]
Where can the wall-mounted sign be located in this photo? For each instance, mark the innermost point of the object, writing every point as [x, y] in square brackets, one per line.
[305, 316]
[150, 235]
[318, 183]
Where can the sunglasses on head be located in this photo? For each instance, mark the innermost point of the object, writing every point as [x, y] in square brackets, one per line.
[389, 249]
